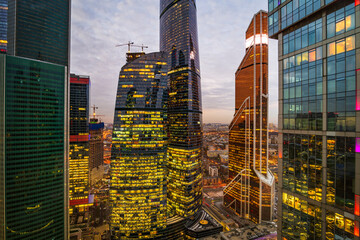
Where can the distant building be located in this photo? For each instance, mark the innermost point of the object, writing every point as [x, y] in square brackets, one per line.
[79, 148]
[224, 172]
[96, 143]
[216, 153]
[251, 190]
[224, 158]
[213, 171]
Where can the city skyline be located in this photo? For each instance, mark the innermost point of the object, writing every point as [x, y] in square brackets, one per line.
[94, 52]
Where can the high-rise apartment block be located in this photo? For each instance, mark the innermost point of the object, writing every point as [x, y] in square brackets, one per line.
[250, 192]
[319, 121]
[79, 147]
[179, 39]
[138, 164]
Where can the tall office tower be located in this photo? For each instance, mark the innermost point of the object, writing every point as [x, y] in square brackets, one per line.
[39, 30]
[32, 149]
[319, 159]
[250, 192]
[179, 39]
[138, 161]
[96, 128]
[79, 148]
[3, 25]
[34, 145]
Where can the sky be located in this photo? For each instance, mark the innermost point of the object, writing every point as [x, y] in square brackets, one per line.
[97, 26]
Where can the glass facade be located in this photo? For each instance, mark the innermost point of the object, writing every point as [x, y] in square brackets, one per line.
[320, 182]
[179, 39]
[138, 159]
[251, 190]
[32, 149]
[3, 25]
[27, 36]
[79, 147]
[96, 128]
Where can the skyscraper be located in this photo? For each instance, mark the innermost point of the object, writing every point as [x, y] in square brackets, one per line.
[138, 161]
[96, 128]
[33, 146]
[79, 147]
[179, 39]
[319, 161]
[251, 190]
[34, 142]
[39, 30]
[3, 25]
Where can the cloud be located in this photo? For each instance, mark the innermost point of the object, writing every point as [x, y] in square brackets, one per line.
[98, 27]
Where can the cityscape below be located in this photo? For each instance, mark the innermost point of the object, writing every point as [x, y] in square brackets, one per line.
[157, 171]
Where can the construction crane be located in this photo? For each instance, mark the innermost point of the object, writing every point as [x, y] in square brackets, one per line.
[142, 47]
[129, 44]
[94, 115]
[124, 44]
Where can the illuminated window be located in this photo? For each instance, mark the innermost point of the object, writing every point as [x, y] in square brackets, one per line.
[340, 26]
[349, 225]
[339, 221]
[350, 22]
[331, 49]
[340, 46]
[312, 55]
[350, 43]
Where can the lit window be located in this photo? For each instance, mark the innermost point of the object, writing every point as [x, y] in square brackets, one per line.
[339, 221]
[340, 47]
[350, 43]
[331, 49]
[340, 26]
[350, 23]
[305, 57]
[349, 225]
[312, 55]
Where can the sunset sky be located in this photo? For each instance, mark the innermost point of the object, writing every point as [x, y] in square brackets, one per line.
[98, 26]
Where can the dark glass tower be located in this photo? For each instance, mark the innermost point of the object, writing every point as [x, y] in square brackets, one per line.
[319, 131]
[138, 157]
[251, 190]
[39, 29]
[79, 147]
[34, 140]
[179, 39]
[32, 149]
[3, 25]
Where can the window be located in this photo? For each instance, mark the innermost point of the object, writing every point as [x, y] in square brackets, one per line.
[341, 21]
[303, 37]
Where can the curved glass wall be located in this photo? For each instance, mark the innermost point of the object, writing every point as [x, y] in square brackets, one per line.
[179, 39]
[138, 157]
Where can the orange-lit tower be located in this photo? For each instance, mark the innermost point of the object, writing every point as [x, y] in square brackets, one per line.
[250, 192]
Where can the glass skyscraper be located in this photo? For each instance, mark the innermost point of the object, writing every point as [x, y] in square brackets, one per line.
[39, 30]
[3, 25]
[250, 192]
[319, 161]
[33, 116]
[79, 147]
[138, 160]
[179, 39]
[32, 149]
